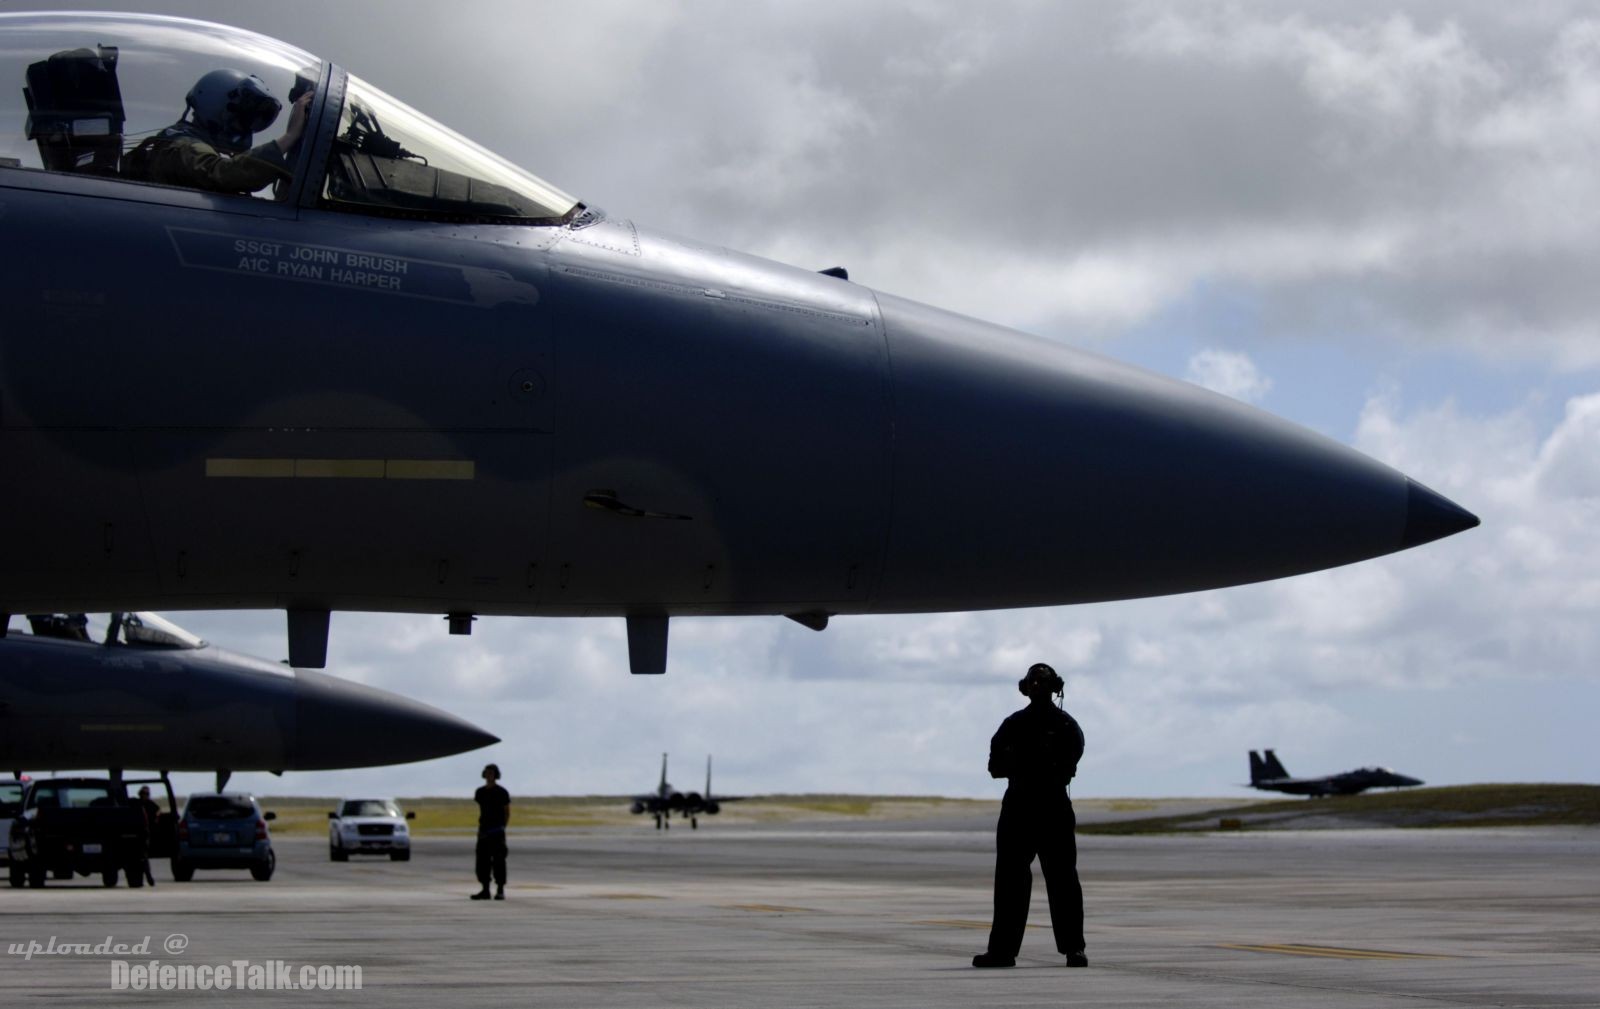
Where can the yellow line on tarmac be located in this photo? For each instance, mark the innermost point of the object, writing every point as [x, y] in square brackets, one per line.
[959, 923]
[1333, 952]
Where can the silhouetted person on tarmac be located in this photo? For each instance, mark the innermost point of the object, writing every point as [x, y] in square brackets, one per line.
[494, 812]
[152, 815]
[1038, 749]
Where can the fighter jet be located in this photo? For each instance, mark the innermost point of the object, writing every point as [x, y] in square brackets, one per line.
[144, 693]
[1268, 774]
[413, 377]
[665, 801]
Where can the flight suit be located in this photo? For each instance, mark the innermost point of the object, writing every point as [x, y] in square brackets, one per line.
[182, 159]
[494, 812]
[1038, 749]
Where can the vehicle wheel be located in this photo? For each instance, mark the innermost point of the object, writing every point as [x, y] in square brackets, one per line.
[108, 877]
[135, 873]
[182, 871]
[399, 856]
[262, 871]
[36, 878]
[337, 854]
[17, 876]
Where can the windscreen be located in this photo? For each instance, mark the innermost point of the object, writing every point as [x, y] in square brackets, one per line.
[218, 807]
[389, 158]
[369, 807]
[73, 796]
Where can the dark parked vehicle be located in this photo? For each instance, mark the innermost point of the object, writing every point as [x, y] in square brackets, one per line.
[79, 826]
[223, 831]
[10, 805]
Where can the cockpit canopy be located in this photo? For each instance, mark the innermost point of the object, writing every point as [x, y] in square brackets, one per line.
[79, 92]
[136, 630]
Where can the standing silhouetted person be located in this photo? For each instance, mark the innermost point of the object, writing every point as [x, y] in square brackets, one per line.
[494, 812]
[152, 816]
[1038, 749]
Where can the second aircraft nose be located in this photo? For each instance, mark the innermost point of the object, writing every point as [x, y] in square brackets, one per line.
[343, 724]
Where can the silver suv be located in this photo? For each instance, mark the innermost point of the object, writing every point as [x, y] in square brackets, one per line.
[369, 827]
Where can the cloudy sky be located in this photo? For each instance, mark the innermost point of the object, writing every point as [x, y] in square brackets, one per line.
[1379, 221]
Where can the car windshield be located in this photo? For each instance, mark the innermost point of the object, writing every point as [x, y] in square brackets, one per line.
[368, 807]
[218, 807]
[389, 158]
[83, 92]
[72, 796]
[10, 797]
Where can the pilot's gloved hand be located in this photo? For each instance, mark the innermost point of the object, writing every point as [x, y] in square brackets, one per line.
[297, 122]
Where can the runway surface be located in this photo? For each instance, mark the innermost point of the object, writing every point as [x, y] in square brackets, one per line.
[863, 914]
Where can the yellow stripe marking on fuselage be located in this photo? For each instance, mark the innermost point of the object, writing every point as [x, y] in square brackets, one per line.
[121, 727]
[343, 469]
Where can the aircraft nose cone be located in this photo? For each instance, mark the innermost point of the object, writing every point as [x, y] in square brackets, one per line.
[1431, 516]
[343, 724]
[1028, 473]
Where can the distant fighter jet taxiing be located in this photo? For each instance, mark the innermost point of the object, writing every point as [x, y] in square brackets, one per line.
[664, 801]
[412, 377]
[1268, 774]
[140, 692]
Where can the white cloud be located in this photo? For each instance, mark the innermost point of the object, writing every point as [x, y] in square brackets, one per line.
[1230, 373]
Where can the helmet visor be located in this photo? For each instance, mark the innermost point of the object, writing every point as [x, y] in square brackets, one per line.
[250, 108]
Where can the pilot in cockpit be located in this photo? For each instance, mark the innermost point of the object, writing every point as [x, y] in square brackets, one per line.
[209, 147]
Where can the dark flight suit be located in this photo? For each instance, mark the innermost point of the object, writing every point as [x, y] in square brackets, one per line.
[1038, 749]
[494, 811]
[152, 814]
[179, 158]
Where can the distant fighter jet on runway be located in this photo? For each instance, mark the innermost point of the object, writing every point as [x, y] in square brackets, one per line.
[412, 377]
[664, 801]
[1267, 774]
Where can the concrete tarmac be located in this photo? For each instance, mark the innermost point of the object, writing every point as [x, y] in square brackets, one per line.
[860, 914]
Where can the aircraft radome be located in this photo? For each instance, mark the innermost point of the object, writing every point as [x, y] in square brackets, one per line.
[141, 692]
[416, 378]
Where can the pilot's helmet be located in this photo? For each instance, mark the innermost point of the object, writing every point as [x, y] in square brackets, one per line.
[232, 106]
[1041, 673]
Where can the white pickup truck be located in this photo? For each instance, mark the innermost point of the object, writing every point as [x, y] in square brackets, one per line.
[369, 827]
